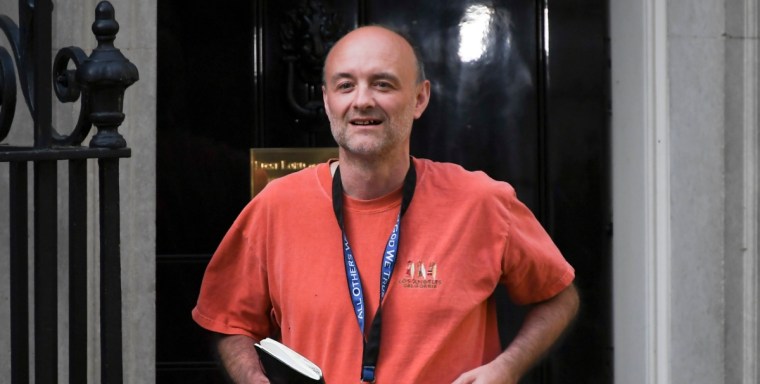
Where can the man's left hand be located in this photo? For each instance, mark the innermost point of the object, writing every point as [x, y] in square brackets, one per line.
[492, 373]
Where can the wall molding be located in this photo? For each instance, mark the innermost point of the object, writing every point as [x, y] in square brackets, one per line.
[657, 180]
[750, 195]
[641, 191]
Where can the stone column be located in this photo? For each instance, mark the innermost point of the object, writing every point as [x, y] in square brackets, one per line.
[685, 190]
[696, 74]
[742, 261]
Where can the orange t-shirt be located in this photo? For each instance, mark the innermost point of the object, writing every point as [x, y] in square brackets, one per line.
[280, 271]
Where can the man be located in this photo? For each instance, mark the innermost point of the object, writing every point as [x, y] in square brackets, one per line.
[305, 258]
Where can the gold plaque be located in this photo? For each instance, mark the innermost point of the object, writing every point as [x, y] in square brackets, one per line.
[268, 164]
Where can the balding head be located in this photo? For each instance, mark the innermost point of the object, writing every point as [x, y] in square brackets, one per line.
[362, 32]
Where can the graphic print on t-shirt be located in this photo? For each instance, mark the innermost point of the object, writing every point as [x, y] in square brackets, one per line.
[421, 274]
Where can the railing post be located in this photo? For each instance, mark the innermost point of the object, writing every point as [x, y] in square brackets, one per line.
[45, 271]
[78, 271]
[110, 272]
[19, 265]
[42, 48]
[104, 76]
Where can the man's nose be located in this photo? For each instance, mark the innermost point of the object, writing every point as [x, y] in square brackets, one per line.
[364, 98]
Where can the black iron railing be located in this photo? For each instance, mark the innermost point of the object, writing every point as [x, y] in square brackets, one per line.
[98, 82]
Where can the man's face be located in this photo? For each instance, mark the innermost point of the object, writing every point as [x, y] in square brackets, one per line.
[371, 94]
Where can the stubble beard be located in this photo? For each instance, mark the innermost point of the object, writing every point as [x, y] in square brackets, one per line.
[377, 143]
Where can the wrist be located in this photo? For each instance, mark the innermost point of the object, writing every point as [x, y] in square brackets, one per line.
[507, 368]
[257, 377]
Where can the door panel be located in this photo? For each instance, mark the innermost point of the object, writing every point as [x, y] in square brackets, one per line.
[482, 63]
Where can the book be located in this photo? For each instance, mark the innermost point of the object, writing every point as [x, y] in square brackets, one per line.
[283, 365]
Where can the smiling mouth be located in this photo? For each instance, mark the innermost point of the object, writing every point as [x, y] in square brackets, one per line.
[366, 122]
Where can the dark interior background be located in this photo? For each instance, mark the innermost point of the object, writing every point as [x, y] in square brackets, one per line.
[531, 109]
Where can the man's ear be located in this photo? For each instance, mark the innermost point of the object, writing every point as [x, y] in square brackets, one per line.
[422, 99]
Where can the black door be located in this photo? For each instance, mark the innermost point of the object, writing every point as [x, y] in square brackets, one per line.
[523, 99]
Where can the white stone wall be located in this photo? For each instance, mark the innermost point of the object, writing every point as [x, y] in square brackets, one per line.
[685, 190]
[742, 260]
[137, 41]
[697, 92]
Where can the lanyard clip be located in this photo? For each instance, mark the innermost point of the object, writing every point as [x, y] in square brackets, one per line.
[368, 374]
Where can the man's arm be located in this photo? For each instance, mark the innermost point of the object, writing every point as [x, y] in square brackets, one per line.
[239, 359]
[542, 326]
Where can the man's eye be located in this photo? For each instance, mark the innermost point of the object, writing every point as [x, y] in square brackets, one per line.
[344, 86]
[383, 85]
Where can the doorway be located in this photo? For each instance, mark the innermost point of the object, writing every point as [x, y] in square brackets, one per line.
[520, 91]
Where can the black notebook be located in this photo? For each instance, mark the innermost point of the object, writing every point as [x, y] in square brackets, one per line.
[283, 365]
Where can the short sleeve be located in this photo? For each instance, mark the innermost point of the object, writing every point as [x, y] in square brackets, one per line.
[533, 267]
[234, 295]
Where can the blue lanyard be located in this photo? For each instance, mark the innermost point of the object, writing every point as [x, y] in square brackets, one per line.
[372, 342]
[354, 280]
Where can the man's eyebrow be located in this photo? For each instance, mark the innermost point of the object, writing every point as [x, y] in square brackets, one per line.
[340, 75]
[385, 76]
[378, 76]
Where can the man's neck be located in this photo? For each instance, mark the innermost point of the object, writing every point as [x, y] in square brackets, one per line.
[366, 180]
